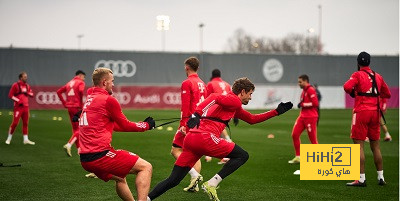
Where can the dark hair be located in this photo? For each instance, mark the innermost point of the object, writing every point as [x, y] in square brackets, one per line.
[21, 74]
[193, 63]
[242, 83]
[80, 72]
[304, 78]
[215, 73]
[363, 59]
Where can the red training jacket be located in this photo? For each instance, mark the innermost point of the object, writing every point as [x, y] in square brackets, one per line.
[101, 112]
[226, 107]
[361, 82]
[19, 93]
[217, 85]
[309, 102]
[74, 93]
[193, 92]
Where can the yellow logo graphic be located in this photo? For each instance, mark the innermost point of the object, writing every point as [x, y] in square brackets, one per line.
[330, 162]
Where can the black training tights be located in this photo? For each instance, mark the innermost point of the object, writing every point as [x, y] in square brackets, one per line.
[238, 157]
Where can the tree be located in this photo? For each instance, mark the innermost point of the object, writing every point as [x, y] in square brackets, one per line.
[293, 43]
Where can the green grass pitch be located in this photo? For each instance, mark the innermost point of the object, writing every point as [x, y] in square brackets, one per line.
[48, 174]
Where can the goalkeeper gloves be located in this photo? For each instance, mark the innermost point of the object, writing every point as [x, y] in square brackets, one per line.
[284, 107]
[194, 121]
[151, 122]
[353, 93]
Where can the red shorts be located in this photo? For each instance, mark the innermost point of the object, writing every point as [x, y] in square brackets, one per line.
[365, 124]
[196, 145]
[115, 162]
[178, 139]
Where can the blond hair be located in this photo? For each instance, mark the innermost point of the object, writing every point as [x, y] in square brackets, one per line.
[99, 74]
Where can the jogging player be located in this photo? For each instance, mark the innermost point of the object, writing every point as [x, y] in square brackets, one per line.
[73, 92]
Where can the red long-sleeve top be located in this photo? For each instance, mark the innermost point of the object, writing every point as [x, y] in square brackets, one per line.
[361, 83]
[73, 92]
[101, 115]
[19, 93]
[225, 107]
[309, 102]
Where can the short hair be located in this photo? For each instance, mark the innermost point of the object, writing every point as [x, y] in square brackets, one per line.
[242, 83]
[215, 73]
[193, 63]
[304, 77]
[80, 72]
[21, 74]
[98, 75]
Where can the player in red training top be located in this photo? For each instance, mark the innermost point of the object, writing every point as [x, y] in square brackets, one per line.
[308, 117]
[73, 91]
[383, 102]
[367, 87]
[101, 114]
[208, 121]
[193, 92]
[19, 93]
[219, 86]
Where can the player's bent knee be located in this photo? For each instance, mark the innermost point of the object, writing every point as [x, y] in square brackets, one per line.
[245, 156]
[141, 165]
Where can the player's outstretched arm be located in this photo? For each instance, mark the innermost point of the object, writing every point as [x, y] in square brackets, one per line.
[121, 123]
[257, 118]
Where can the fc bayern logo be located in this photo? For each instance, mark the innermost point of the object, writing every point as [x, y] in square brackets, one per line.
[273, 70]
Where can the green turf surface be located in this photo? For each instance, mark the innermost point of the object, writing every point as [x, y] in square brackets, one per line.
[48, 174]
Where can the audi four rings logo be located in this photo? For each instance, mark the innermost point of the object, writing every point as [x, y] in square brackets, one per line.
[123, 98]
[47, 98]
[120, 68]
[171, 98]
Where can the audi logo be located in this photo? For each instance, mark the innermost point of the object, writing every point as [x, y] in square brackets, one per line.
[47, 98]
[120, 68]
[123, 97]
[171, 98]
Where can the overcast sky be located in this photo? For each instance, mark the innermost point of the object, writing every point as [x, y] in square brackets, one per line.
[348, 26]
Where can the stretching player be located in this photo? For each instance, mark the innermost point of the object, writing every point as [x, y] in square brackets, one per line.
[73, 91]
[193, 92]
[19, 93]
[308, 117]
[101, 115]
[210, 118]
[367, 87]
[219, 86]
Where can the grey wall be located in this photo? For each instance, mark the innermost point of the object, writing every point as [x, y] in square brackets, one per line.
[56, 67]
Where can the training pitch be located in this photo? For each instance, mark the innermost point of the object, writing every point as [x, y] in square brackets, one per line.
[48, 174]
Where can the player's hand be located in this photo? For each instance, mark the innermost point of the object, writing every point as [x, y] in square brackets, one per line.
[151, 122]
[284, 107]
[182, 129]
[194, 121]
[353, 93]
[235, 121]
[76, 116]
[299, 105]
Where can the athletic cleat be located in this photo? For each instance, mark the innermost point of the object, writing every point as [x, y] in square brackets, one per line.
[295, 160]
[208, 158]
[357, 183]
[388, 138]
[211, 191]
[29, 142]
[67, 150]
[194, 184]
[381, 182]
[91, 175]
[223, 161]
[8, 141]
